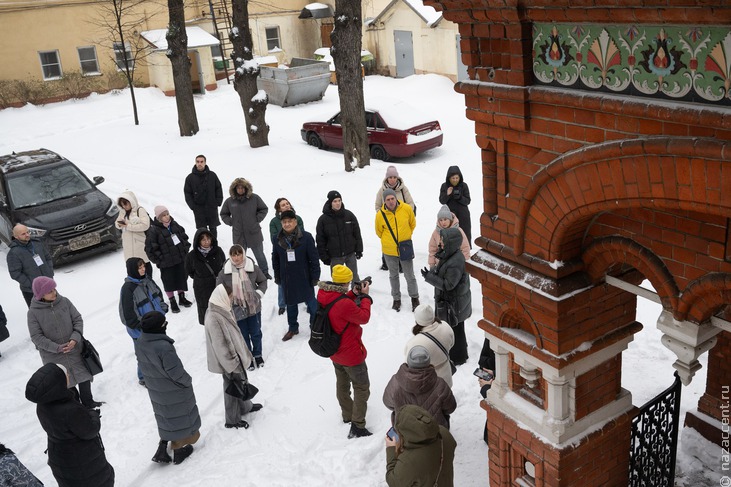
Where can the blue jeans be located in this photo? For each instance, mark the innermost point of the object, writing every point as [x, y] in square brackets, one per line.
[280, 297]
[251, 330]
[293, 312]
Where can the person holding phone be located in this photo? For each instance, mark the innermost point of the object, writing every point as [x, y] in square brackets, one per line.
[485, 374]
[417, 382]
[421, 453]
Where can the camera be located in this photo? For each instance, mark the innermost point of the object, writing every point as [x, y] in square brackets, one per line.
[357, 285]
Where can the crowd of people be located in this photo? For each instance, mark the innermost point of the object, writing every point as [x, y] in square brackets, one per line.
[228, 288]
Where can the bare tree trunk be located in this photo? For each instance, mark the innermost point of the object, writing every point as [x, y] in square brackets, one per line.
[128, 70]
[346, 47]
[253, 102]
[178, 54]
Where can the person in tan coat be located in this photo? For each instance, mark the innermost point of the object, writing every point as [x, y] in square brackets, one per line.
[446, 219]
[227, 353]
[133, 221]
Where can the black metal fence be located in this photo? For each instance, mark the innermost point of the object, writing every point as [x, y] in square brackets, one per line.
[655, 440]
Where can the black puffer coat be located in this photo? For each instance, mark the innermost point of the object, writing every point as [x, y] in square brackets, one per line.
[170, 387]
[75, 450]
[450, 280]
[159, 245]
[458, 201]
[203, 195]
[199, 267]
[338, 234]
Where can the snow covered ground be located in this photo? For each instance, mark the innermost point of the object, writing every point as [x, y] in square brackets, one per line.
[298, 438]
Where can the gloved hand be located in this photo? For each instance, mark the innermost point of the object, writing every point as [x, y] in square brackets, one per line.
[276, 281]
[326, 261]
[314, 282]
[424, 272]
[358, 255]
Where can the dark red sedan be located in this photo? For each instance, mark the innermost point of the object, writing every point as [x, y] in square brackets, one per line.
[394, 132]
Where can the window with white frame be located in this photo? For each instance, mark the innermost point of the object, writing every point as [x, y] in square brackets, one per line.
[50, 64]
[273, 41]
[119, 55]
[87, 60]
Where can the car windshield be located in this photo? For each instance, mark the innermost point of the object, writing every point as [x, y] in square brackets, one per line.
[48, 183]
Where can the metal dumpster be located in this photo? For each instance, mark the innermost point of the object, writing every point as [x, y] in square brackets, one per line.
[304, 81]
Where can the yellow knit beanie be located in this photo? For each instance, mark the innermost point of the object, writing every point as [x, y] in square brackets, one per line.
[341, 274]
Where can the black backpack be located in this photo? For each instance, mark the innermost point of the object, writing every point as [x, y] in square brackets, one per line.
[323, 339]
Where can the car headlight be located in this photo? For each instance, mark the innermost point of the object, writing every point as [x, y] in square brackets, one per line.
[113, 211]
[36, 232]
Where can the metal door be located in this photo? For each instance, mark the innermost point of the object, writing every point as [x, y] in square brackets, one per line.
[404, 53]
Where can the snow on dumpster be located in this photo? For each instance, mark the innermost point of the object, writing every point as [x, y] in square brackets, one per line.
[303, 81]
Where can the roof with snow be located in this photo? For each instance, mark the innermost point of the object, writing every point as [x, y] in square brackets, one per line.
[428, 14]
[316, 11]
[197, 37]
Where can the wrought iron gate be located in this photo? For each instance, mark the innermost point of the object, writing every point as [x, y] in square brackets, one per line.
[655, 440]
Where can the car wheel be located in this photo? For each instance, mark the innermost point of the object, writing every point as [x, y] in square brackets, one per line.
[378, 152]
[314, 140]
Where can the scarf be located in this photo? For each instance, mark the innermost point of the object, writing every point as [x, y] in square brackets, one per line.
[244, 293]
[204, 251]
[219, 297]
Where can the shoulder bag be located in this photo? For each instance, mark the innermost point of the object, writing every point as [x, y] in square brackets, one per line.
[439, 344]
[405, 247]
[90, 357]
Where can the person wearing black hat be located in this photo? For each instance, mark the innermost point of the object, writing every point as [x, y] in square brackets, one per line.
[297, 268]
[170, 388]
[338, 235]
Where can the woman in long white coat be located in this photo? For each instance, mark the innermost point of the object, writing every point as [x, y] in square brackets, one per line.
[227, 353]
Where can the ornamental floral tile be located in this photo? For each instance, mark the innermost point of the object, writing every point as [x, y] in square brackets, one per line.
[685, 63]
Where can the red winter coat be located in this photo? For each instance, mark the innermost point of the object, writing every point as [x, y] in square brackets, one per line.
[346, 313]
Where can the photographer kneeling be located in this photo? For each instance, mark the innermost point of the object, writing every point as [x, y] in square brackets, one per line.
[346, 316]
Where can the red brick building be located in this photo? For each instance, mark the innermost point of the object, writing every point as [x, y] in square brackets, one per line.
[605, 133]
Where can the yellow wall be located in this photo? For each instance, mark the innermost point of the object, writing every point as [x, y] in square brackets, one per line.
[435, 49]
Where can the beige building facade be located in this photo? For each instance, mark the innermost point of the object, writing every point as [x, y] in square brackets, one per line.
[43, 43]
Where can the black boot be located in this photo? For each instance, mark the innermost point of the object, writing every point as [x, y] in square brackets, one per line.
[173, 305]
[183, 301]
[182, 453]
[161, 455]
[396, 305]
[356, 432]
[414, 303]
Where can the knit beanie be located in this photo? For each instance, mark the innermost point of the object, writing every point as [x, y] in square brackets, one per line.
[332, 195]
[388, 192]
[418, 358]
[341, 274]
[444, 212]
[42, 285]
[424, 315]
[391, 171]
[159, 210]
[153, 322]
[287, 214]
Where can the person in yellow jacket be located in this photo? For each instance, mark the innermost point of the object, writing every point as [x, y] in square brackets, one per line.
[395, 222]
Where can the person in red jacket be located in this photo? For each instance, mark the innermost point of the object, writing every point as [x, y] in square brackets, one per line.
[346, 318]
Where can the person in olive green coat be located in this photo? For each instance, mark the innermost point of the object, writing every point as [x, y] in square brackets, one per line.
[423, 453]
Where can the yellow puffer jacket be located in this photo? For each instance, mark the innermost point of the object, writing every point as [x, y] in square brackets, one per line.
[402, 221]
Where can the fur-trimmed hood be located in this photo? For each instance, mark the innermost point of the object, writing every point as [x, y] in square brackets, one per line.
[248, 189]
[331, 286]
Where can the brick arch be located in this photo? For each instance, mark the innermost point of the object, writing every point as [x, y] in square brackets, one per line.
[512, 318]
[704, 297]
[665, 173]
[603, 253]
